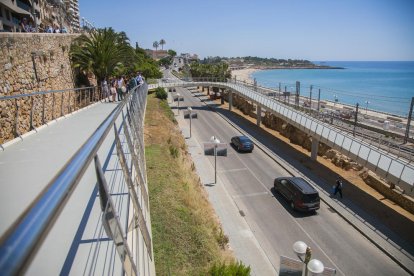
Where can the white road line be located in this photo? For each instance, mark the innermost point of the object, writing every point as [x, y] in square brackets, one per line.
[251, 195]
[232, 170]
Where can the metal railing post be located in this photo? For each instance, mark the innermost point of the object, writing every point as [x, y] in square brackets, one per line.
[43, 109]
[69, 105]
[74, 100]
[16, 120]
[61, 105]
[53, 106]
[31, 113]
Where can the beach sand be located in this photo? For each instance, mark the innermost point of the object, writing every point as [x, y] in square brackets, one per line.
[243, 74]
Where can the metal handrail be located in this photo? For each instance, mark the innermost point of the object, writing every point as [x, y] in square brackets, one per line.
[21, 241]
[59, 103]
[18, 96]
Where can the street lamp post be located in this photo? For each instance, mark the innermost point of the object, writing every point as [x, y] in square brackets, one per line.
[303, 250]
[366, 107]
[178, 102]
[189, 112]
[215, 142]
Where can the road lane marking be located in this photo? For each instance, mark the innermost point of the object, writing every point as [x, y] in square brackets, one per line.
[251, 195]
[232, 170]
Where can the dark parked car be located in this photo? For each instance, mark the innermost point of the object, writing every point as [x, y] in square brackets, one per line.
[301, 195]
[242, 143]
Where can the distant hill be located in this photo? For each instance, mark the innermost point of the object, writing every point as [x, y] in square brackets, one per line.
[266, 63]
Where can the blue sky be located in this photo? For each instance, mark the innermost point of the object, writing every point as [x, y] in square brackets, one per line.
[298, 29]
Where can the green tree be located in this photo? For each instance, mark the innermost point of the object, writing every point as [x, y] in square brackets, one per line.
[101, 52]
[162, 43]
[172, 53]
[155, 45]
[217, 70]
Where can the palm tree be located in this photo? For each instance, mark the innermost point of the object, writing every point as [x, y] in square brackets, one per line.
[101, 52]
[162, 43]
[155, 45]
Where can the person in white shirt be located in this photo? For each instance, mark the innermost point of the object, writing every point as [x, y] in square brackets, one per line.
[120, 84]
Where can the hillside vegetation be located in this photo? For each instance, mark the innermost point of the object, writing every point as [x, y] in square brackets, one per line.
[187, 237]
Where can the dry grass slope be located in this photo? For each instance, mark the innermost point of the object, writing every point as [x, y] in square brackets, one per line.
[187, 236]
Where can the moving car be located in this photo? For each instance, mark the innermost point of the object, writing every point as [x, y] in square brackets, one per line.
[301, 195]
[242, 143]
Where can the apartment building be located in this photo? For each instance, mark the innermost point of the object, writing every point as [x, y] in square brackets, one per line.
[39, 15]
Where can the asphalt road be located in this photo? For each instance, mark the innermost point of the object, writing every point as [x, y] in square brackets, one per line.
[276, 227]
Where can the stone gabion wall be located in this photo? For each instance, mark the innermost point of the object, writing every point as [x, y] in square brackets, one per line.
[296, 136]
[31, 63]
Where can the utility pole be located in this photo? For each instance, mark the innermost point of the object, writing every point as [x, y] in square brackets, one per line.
[297, 93]
[310, 97]
[356, 118]
[407, 130]
[280, 90]
[319, 100]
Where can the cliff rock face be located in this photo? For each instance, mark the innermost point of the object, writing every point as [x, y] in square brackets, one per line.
[31, 63]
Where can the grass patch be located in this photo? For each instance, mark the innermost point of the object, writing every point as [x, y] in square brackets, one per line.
[187, 237]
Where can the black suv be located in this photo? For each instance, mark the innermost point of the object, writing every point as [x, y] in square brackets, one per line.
[301, 195]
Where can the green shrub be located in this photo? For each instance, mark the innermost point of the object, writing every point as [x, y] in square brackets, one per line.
[222, 239]
[173, 151]
[161, 94]
[232, 269]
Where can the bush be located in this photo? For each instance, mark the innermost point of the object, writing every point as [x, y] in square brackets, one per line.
[161, 94]
[173, 151]
[222, 239]
[231, 269]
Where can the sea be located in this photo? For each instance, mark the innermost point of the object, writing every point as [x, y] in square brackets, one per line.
[386, 86]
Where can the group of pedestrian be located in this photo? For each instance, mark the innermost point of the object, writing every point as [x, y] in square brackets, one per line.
[27, 26]
[115, 89]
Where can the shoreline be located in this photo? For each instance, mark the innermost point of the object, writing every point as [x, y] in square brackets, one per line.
[245, 73]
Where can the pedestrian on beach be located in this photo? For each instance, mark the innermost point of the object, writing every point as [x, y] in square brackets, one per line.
[338, 186]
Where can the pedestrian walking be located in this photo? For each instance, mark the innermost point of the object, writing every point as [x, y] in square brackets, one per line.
[113, 90]
[119, 90]
[105, 90]
[338, 187]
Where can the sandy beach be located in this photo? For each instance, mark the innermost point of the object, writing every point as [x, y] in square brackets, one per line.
[243, 74]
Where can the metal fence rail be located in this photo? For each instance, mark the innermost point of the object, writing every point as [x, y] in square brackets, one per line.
[23, 239]
[38, 108]
[392, 167]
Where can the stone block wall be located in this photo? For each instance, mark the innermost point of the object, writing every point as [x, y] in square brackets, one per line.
[31, 63]
[298, 137]
[389, 191]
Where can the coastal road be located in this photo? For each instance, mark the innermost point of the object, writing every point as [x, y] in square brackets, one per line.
[249, 181]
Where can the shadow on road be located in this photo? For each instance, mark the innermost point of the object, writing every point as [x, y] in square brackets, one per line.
[390, 223]
[286, 205]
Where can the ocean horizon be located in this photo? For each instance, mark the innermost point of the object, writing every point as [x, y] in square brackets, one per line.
[386, 86]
